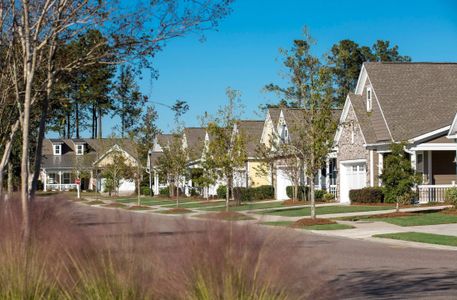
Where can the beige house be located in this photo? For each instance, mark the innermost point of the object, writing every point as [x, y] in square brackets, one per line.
[279, 126]
[415, 103]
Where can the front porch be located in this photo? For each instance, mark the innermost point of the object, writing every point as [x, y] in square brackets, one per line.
[64, 180]
[437, 167]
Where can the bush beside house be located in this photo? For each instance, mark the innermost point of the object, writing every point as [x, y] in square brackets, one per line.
[253, 194]
[367, 195]
[451, 196]
[302, 193]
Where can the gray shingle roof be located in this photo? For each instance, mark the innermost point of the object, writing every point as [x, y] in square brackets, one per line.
[195, 137]
[93, 150]
[415, 98]
[252, 133]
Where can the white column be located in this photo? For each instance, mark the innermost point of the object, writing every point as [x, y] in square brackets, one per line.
[327, 174]
[430, 173]
[156, 183]
[45, 180]
[371, 168]
[60, 180]
[380, 166]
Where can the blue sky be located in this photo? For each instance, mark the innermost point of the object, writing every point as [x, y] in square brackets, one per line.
[243, 52]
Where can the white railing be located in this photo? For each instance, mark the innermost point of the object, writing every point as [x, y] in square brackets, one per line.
[433, 193]
[332, 190]
[60, 187]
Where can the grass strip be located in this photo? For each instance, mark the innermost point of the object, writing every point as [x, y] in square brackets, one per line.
[421, 237]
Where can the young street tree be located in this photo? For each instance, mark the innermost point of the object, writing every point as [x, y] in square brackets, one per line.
[172, 164]
[226, 150]
[311, 128]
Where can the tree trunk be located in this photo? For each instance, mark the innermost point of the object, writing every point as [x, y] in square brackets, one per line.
[25, 160]
[99, 125]
[77, 119]
[138, 191]
[7, 152]
[10, 178]
[68, 125]
[177, 193]
[313, 203]
[227, 196]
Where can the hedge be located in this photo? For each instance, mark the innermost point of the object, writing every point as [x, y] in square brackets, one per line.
[451, 196]
[144, 190]
[253, 194]
[166, 191]
[367, 195]
[221, 192]
[302, 193]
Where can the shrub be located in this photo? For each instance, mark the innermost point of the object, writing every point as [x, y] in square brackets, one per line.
[302, 193]
[144, 190]
[164, 191]
[319, 194]
[221, 192]
[194, 192]
[367, 195]
[329, 197]
[451, 196]
[253, 194]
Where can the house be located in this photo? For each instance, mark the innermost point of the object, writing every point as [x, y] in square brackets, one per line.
[64, 160]
[279, 127]
[252, 174]
[415, 103]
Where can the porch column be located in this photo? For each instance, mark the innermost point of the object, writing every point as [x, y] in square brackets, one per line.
[371, 166]
[430, 173]
[380, 167]
[156, 183]
[319, 181]
[45, 180]
[60, 180]
[327, 174]
[91, 180]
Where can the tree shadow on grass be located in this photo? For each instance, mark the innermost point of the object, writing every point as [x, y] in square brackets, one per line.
[388, 284]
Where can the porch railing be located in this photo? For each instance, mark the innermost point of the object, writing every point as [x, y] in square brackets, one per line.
[332, 190]
[60, 187]
[433, 193]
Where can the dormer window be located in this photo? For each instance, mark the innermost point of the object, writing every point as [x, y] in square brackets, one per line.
[57, 149]
[79, 149]
[369, 99]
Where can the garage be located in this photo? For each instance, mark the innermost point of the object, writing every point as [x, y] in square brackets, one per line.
[282, 182]
[353, 176]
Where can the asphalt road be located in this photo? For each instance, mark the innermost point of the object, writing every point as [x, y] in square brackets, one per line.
[350, 269]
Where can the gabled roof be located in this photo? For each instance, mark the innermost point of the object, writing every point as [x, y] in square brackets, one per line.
[195, 138]
[415, 98]
[95, 148]
[252, 132]
[452, 134]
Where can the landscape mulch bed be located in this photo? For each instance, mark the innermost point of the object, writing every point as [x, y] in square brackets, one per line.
[177, 210]
[115, 205]
[226, 215]
[392, 215]
[308, 222]
[141, 207]
[95, 202]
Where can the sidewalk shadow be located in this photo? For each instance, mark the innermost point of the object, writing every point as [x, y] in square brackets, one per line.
[388, 284]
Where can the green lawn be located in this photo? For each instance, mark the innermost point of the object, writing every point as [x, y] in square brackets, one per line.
[146, 201]
[337, 209]
[429, 238]
[311, 227]
[248, 206]
[196, 205]
[420, 219]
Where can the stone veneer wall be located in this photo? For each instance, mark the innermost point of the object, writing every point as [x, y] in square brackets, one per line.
[352, 151]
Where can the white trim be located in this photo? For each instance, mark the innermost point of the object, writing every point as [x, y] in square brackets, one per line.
[363, 75]
[452, 134]
[430, 134]
[55, 147]
[344, 114]
[371, 168]
[77, 150]
[380, 108]
[353, 161]
[434, 147]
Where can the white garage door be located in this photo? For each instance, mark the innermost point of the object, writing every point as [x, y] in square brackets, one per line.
[354, 176]
[282, 181]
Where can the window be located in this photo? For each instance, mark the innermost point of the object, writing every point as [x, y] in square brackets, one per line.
[79, 149]
[369, 99]
[66, 178]
[57, 149]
